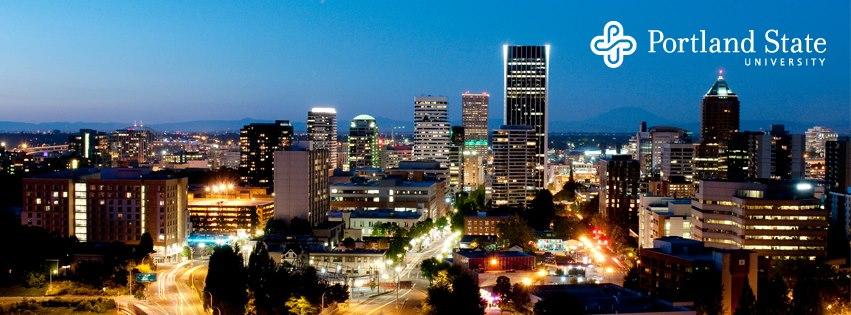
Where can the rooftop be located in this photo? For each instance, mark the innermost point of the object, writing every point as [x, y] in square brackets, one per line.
[230, 202]
[378, 214]
[606, 298]
[387, 183]
[477, 253]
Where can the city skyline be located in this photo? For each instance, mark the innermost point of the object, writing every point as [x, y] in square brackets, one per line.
[256, 79]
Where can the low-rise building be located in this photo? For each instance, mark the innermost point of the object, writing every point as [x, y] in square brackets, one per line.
[478, 259]
[606, 298]
[668, 270]
[484, 223]
[353, 262]
[360, 223]
[391, 193]
[230, 216]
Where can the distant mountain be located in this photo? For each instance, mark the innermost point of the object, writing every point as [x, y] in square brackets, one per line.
[622, 119]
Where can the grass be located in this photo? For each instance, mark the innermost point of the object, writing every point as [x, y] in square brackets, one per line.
[18, 290]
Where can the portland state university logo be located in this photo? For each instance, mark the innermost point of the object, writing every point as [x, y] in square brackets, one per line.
[613, 45]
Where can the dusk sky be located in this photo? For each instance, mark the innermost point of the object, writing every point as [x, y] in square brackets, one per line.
[165, 61]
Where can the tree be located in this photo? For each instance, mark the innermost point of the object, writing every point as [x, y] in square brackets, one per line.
[520, 298]
[454, 291]
[747, 302]
[632, 278]
[145, 247]
[300, 306]
[561, 303]
[349, 243]
[707, 292]
[502, 287]
[226, 281]
[807, 291]
[431, 266]
[259, 271]
[541, 211]
[773, 293]
[515, 231]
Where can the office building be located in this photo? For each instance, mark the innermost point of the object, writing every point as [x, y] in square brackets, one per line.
[131, 147]
[814, 155]
[515, 180]
[526, 82]
[301, 185]
[431, 129]
[456, 159]
[400, 195]
[393, 154]
[257, 144]
[619, 180]
[363, 142]
[676, 161]
[719, 120]
[765, 155]
[485, 223]
[662, 216]
[360, 223]
[91, 145]
[670, 267]
[775, 219]
[322, 132]
[230, 216]
[110, 205]
[474, 119]
[419, 171]
[837, 167]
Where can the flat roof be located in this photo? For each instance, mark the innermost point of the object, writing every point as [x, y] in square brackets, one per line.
[223, 202]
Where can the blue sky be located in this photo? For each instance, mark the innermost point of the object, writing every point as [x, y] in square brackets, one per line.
[163, 61]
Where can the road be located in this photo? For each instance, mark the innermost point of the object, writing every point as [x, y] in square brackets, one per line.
[175, 291]
[410, 300]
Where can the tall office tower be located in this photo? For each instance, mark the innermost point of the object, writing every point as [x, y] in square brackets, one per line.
[474, 119]
[110, 205]
[131, 146]
[363, 142]
[814, 155]
[777, 219]
[301, 185]
[643, 153]
[322, 132]
[526, 70]
[456, 161]
[760, 155]
[431, 129]
[649, 144]
[837, 166]
[514, 160]
[91, 145]
[257, 145]
[677, 161]
[619, 181]
[719, 120]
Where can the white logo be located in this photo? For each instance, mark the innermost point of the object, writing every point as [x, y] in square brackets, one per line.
[613, 45]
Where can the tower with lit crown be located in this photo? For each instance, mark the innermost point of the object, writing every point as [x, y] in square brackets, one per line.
[719, 121]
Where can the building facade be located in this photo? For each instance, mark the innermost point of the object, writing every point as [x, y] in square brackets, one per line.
[662, 216]
[363, 142]
[257, 144]
[515, 180]
[719, 120]
[526, 82]
[399, 195]
[619, 181]
[322, 132]
[431, 129]
[301, 185]
[230, 216]
[474, 119]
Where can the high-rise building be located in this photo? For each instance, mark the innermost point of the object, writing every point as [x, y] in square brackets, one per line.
[816, 137]
[110, 205]
[719, 120]
[526, 81]
[776, 219]
[765, 155]
[514, 180]
[322, 132]
[301, 185]
[431, 129]
[456, 159]
[91, 145]
[363, 142]
[257, 145]
[131, 146]
[676, 161]
[619, 182]
[474, 119]
[837, 157]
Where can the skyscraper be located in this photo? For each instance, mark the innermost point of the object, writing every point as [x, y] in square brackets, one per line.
[764, 155]
[514, 177]
[619, 180]
[814, 156]
[526, 70]
[301, 185]
[431, 129]
[719, 119]
[131, 146]
[322, 132]
[91, 145]
[257, 145]
[838, 165]
[363, 142]
[474, 119]
[456, 161]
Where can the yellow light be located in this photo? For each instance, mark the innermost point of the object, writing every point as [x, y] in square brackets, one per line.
[494, 262]
[542, 272]
[610, 270]
[630, 255]
[526, 281]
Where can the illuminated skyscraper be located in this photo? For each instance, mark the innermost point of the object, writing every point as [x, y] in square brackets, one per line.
[363, 142]
[474, 119]
[514, 177]
[131, 146]
[719, 120]
[526, 70]
[322, 132]
[257, 145]
[431, 129]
